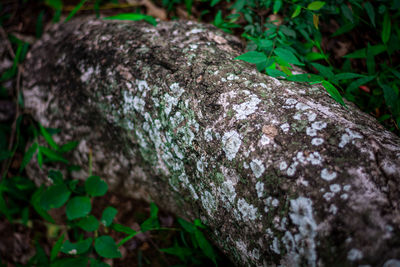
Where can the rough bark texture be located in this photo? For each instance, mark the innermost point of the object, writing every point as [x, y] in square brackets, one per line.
[280, 172]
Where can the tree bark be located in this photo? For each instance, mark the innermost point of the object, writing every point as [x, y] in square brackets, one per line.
[280, 172]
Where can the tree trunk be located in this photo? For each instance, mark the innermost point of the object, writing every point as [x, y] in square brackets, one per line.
[280, 172]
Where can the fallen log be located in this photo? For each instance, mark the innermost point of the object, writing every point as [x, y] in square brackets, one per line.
[280, 172]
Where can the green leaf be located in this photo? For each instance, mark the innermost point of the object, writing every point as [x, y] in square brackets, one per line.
[370, 61]
[150, 224]
[48, 137]
[345, 28]
[296, 11]
[187, 226]
[56, 177]
[55, 197]
[153, 210]
[28, 156]
[323, 70]
[253, 57]
[362, 53]
[333, 92]
[357, 83]
[76, 248]
[97, 263]
[305, 77]
[275, 73]
[35, 202]
[182, 253]
[205, 246]
[214, 2]
[52, 155]
[386, 28]
[371, 12]
[277, 6]
[89, 223]
[108, 216]
[76, 8]
[287, 56]
[68, 146]
[78, 207]
[68, 262]
[56, 248]
[347, 76]
[134, 17]
[40, 158]
[316, 5]
[391, 98]
[347, 13]
[123, 229]
[95, 186]
[105, 246]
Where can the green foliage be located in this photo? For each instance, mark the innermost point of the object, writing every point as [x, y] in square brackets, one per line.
[134, 17]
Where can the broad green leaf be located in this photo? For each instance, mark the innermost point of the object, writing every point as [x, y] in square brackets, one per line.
[153, 210]
[134, 17]
[333, 92]
[56, 177]
[97, 263]
[205, 246]
[253, 57]
[316, 5]
[89, 223]
[48, 137]
[28, 156]
[323, 70]
[76, 248]
[287, 56]
[40, 158]
[54, 197]
[187, 226]
[315, 56]
[78, 207]
[76, 8]
[35, 202]
[150, 224]
[52, 155]
[386, 28]
[276, 73]
[296, 11]
[56, 248]
[108, 216]
[345, 28]
[105, 246]
[95, 186]
[370, 60]
[277, 6]
[371, 12]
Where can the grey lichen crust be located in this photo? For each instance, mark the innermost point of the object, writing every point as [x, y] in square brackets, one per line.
[281, 173]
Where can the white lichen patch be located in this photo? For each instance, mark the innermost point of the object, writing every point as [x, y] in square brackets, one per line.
[317, 141]
[208, 202]
[208, 135]
[354, 254]
[142, 86]
[232, 77]
[257, 167]
[265, 140]
[169, 102]
[301, 106]
[347, 187]
[248, 212]
[311, 116]
[319, 125]
[247, 108]
[177, 91]
[328, 196]
[335, 188]
[285, 127]
[328, 175]
[283, 166]
[348, 137]
[333, 209]
[227, 193]
[260, 189]
[302, 215]
[87, 74]
[231, 142]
